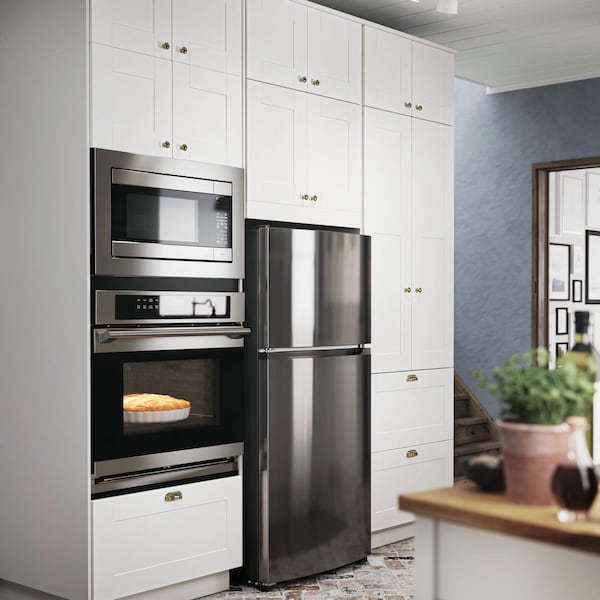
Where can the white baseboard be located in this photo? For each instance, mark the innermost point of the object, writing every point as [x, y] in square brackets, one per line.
[393, 534]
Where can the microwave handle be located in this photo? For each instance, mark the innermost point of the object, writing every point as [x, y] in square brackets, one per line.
[104, 336]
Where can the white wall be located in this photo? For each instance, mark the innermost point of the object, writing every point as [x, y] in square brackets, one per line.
[44, 278]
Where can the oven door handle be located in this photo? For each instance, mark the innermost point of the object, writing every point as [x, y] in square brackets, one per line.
[104, 336]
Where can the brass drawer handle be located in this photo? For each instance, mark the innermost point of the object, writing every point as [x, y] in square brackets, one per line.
[172, 496]
[412, 454]
[183, 147]
[165, 46]
[419, 107]
[302, 78]
[418, 290]
[314, 198]
[407, 290]
[315, 82]
[166, 144]
[304, 197]
[183, 50]
[408, 104]
[410, 378]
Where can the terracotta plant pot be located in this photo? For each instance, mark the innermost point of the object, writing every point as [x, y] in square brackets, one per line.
[531, 453]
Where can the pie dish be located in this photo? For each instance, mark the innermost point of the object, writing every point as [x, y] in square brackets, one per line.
[154, 408]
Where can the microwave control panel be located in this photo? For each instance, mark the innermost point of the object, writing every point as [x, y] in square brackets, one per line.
[165, 306]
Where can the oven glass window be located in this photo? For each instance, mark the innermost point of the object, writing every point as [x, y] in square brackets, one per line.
[141, 214]
[170, 394]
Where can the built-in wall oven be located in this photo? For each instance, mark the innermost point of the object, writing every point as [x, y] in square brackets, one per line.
[166, 387]
[161, 217]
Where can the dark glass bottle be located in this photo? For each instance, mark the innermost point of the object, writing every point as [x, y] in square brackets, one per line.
[574, 483]
[584, 356]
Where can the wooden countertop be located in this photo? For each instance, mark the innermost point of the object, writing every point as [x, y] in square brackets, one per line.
[466, 505]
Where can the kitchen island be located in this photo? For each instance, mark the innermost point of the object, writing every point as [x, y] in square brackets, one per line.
[472, 545]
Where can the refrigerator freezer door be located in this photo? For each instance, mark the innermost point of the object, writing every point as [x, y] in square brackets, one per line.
[317, 288]
[316, 484]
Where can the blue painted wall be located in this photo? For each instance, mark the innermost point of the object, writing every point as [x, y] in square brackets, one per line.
[497, 138]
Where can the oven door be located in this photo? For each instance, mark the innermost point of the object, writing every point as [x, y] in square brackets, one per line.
[208, 381]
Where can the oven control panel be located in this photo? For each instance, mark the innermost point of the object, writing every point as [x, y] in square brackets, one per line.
[170, 306]
[129, 307]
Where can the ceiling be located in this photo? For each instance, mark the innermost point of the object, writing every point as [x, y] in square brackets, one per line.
[504, 44]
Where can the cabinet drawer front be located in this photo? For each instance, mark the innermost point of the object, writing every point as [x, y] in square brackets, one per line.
[403, 471]
[160, 537]
[408, 411]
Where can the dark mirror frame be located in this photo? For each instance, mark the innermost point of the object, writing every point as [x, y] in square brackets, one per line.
[539, 242]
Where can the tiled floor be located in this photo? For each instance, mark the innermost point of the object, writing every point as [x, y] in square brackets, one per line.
[386, 574]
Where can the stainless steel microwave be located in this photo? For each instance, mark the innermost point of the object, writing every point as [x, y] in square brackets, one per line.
[166, 217]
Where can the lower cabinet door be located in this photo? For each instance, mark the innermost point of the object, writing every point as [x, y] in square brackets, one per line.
[406, 470]
[152, 539]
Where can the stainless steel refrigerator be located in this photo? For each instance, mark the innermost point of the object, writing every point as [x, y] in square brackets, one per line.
[307, 419]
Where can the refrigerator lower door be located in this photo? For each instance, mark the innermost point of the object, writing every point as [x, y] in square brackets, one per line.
[316, 481]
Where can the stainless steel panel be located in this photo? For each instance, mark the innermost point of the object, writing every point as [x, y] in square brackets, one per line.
[149, 250]
[318, 288]
[167, 338]
[168, 182]
[315, 485]
[105, 161]
[106, 468]
[105, 307]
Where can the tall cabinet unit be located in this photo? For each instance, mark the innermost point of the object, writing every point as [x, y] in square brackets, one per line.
[166, 78]
[303, 114]
[408, 211]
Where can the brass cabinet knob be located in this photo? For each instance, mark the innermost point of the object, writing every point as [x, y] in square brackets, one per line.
[165, 46]
[412, 454]
[408, 104]
[418, 290]
[166, 144]
[314, 198]
[315, 82]
[419, 107]
[304, 197]
[172, 496]
[302, 78]
[407, 290]
[412, 377]
[183, 50]
[183, 147]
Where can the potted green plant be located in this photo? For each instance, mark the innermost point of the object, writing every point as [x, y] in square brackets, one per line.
[535, 401]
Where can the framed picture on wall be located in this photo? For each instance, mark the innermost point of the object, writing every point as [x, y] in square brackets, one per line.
[592, 267]
[577, 290]
[561, 348]
[562, 321]
[559, 259]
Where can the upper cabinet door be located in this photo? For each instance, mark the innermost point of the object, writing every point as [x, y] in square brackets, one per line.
[334, 56]
[432, 245]
[207, 115]
[139, 25]
[334, 160]
[130, 101]
[388, 71]
[276, 42]
[433, 84]
[276, 151]
[208, 34]
[302, 48]
[387, 168]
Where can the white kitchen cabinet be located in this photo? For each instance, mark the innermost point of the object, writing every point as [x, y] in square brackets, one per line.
[303, 157]
[202, 33]
[412, 407]
[156, 538]
[408, 209]
[158, 107]
[303, 48]
[405, 470]
[408, 77]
